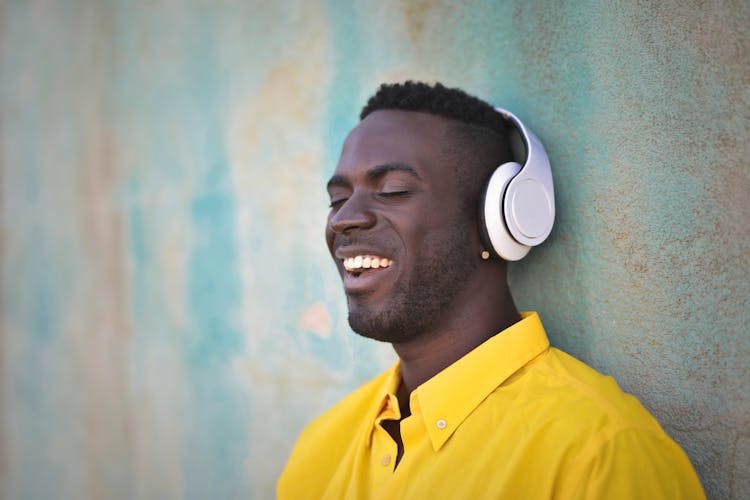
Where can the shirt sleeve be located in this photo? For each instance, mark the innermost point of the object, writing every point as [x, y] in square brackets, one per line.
[638, 464]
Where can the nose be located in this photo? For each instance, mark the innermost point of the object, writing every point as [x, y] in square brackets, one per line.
[353, 214]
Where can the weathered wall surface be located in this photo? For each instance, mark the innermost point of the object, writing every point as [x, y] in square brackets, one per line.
[170, 320]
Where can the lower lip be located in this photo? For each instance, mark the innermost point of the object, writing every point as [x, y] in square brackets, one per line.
[367, 281]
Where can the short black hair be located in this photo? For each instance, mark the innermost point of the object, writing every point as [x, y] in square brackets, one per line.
[437, 99]
[477, 141]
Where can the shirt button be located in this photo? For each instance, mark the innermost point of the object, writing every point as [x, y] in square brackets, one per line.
[441, 423]
[385, 460]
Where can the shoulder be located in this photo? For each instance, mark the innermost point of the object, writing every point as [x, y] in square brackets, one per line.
[351, 411]
[570, 407]
[587, 395]
[608, 437]
[327, 439]
[637, 463]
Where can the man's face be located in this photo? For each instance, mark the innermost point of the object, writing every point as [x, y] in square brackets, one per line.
[399, 230]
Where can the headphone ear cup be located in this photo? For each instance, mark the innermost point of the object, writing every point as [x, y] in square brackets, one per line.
[529, 210]
[493, 228]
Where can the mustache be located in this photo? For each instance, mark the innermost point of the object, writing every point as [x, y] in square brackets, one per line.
[365, 240]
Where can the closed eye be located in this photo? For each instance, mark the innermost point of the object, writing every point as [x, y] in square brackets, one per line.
[395, 194]
[337, 203]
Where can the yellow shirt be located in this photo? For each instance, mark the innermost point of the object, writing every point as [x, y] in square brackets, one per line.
[512, 419]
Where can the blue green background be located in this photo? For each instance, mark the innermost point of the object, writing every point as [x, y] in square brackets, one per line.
[170, 318]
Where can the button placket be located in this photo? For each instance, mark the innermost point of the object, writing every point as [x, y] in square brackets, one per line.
[383, 452]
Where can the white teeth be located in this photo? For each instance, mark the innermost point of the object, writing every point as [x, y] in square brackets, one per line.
[365, 262]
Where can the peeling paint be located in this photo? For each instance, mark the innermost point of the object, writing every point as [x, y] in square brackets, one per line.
[316, 320]
[170, 316]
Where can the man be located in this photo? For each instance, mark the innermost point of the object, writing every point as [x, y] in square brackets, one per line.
[478, 404]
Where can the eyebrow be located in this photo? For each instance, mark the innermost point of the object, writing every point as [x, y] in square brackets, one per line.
[381, 170]
[375, 173]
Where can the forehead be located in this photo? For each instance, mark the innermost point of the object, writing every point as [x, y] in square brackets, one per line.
[388, 136]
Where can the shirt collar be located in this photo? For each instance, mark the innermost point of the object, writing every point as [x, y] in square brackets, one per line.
[386, 407]
[449, 397]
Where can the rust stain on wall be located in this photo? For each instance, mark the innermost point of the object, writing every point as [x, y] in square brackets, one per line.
[643, 108]
[415, 14]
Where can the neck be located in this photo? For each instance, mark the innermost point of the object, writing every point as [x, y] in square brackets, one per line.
[479, 312]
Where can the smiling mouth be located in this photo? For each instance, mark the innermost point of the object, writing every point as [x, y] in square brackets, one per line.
[360, 263]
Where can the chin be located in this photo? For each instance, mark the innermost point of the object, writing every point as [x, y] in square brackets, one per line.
[384, 326]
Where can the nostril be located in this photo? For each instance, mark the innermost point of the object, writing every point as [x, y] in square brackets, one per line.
[351, 216]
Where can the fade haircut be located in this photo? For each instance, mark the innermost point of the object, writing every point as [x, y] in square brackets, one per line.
[477, 136]
[451, 103]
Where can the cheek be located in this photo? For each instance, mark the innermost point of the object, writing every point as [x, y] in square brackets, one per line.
[456, 230]
[329, 238]
[421, 238]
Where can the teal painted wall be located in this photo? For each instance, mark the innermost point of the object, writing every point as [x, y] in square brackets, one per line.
[170, 320]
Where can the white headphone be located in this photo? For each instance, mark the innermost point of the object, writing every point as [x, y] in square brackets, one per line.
[518, 207]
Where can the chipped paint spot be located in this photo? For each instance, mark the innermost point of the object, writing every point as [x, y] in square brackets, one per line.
[317, 320]
[165, 285]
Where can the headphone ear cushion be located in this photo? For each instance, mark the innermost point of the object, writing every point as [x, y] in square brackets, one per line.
[493, 228]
